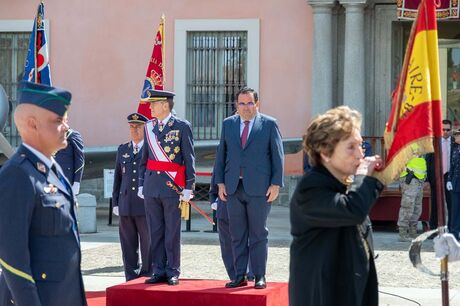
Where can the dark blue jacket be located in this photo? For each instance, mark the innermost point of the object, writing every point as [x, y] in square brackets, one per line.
[125, 182]
[261, 160]
[39, 243]
[176, 139]
[72, 158]
[454, 171]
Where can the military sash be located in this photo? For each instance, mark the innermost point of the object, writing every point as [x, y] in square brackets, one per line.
[162, 162]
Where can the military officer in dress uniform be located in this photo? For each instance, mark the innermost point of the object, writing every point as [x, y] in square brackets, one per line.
[39, 241]
[72, 159]
[126, 204]
[166, 175]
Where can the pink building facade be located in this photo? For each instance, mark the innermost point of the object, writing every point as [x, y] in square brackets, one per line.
[99, 51]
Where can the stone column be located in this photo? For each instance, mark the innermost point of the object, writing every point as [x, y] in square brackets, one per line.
[354, 58]
[322, 78]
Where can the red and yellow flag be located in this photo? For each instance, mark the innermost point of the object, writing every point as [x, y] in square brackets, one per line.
[415, 117]
[155, 76]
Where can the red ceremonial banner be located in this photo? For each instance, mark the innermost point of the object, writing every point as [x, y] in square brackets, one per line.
[445, 9]
[154, 77]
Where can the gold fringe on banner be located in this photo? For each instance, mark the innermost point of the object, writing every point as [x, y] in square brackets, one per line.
[393, 170]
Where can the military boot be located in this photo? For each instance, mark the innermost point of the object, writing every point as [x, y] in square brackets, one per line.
[404, 234]
[413, 231]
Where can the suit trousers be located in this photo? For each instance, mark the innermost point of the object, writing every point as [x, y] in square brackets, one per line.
[248, 229]
[134, 237]
[455, 223]
[163, 219]
[434, 208]
[225, 242]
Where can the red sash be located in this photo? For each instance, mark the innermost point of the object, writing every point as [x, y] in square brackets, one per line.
[179, 179]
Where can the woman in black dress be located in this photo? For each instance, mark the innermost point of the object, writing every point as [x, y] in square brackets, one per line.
[331, 253]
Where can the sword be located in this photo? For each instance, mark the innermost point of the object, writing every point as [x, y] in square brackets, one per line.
[414, 252]
[199, 210]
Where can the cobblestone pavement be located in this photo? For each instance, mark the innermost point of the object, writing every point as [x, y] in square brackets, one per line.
[200, 257]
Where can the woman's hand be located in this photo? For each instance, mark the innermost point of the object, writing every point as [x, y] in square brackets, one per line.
[369, 164]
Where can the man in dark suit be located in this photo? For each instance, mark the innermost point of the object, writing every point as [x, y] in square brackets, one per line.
[249, 174]
[39, 241]
[128, 205]
[72, 159]
[166, 176]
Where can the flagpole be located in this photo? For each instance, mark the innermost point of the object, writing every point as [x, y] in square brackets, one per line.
[441, 216]
[439, 178]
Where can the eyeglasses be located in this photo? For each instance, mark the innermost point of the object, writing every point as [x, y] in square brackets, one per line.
[446, 130]
[250, 104]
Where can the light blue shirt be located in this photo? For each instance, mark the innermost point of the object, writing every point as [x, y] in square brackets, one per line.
[48, 162]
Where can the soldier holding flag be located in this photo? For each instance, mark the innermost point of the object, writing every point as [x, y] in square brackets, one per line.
[167, 168]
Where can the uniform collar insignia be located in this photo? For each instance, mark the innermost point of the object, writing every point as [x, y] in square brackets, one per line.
[41, 167]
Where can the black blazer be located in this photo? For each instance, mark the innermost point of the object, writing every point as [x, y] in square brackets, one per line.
[329, 261]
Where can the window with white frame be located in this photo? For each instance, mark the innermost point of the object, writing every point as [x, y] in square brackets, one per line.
[213, 59]
[216, 70]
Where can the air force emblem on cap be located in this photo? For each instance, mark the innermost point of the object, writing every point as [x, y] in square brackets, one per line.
[137, 118]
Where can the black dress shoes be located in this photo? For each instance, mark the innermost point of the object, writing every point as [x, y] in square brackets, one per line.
[239, 281]
[155, 279]
[260, 282]
[173, 281]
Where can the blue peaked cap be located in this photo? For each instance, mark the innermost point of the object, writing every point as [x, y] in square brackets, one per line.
[137, 118]
[158, 95]
[54, 99]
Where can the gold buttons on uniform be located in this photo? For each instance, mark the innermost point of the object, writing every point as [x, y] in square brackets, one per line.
[43, 275]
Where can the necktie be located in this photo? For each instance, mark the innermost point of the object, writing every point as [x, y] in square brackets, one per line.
[60, 177]
[160, 126]
[136, 149]
[244, 135]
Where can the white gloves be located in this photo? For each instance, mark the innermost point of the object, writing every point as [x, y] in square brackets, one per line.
[186, 195]
[449, 186]
[447, 245]
[214, 205]
[115, 211]
[140, 192]
[76, 188]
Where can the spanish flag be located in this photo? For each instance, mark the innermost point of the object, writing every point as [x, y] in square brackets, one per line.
[415, 117]
[155, 76]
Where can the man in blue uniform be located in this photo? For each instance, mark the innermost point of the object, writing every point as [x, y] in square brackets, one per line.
[249, 174]
[72, 159]
[39, 241]
[126, 204]
[166, 176]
